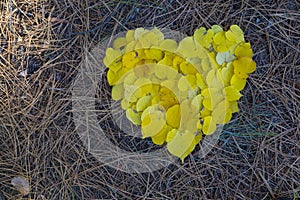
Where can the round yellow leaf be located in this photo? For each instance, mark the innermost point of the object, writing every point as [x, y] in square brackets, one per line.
[237, 82]
[117, 92]
[143, 103]
[235, 34]
[243, 50]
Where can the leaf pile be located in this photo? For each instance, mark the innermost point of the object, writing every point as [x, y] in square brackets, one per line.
[178, 91]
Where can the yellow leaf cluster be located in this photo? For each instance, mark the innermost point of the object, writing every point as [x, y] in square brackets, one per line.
[177, 91]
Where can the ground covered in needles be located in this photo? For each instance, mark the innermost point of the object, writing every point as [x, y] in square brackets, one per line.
[41, 46]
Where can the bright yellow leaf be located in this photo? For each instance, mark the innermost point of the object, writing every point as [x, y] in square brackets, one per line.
[160, 137]
[130, 59]
[243, 50]
[182, 144]
[234, 106]
[231, 93]
[235, 34]
[237, 82]
[244, 65]
[143, 103]
[153, 53]
[200, 81]
[222, 44]
[173, 116]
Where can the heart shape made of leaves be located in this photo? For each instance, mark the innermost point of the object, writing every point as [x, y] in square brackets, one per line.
[178, 91]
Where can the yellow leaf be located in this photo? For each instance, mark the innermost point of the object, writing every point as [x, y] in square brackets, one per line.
[153, 53]
[216, 28]
[227, 73]
[244, 65]
[125, 104]
[111, 55]
[130, 46]
[213, 80]
[168, 45]
[205, 64]
[119, 42]
[115, 66]
[200, 81]
[167, 60]
[177, 61]
[235, 34]
[130, 59]
[111, 77]
[237, 82]
[243, 50]
[212, 96]
[222, 113]
[146, 39]
[141, 71]
[182, 144]
[204, 37]
[160, 137]
[189, 117]
[133, 116]
[139, 32]
[234, 106]
[209, 126]
[196, 103]
[129, 93]
[171, 85]
[173, 116]
[187, 48]
[143, 103]
[130, 36]
[231, 93]
[117, 92]
[153, 123]
[183, 84]
[205, 112]
[159, 36]
[130, 78]
[187, 68]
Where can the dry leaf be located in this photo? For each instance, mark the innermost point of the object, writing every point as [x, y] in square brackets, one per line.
[21, 184]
